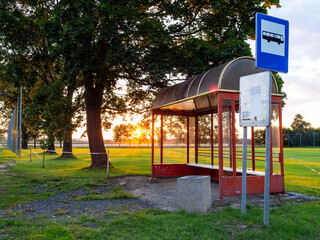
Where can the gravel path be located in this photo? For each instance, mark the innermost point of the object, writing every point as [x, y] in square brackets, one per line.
[64, 205]
[151, 193]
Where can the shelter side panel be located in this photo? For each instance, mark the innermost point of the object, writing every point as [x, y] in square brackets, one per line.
[255, 184]
[171, 170]
[176, 170]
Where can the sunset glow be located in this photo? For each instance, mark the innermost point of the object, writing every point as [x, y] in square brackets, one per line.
[138, 132]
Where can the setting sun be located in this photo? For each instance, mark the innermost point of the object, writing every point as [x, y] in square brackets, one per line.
[138, 132]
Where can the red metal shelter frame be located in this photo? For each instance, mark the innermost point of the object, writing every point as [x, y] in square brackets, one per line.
[229, 178]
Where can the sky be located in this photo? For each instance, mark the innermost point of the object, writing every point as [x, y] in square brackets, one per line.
[302, 82]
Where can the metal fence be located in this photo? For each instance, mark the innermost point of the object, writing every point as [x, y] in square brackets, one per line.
[14, 129]
[301, 139]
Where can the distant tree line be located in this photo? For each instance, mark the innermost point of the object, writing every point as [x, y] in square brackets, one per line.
[300, 134]
[129, 133]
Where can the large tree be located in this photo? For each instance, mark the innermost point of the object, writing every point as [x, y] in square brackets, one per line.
[141, 46]
[124, 52]
[299, 123]
[30, 62]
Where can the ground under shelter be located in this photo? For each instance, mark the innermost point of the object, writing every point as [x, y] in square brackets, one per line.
[195, 131]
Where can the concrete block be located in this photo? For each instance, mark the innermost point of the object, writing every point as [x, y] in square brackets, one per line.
[194, 193]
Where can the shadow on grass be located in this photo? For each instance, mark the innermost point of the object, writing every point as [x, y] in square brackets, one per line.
[65, 157]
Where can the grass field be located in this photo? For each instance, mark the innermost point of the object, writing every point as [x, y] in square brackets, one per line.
[18, 186]
[298, 177]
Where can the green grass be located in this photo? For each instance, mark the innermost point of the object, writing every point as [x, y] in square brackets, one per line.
[298, 177]
[287, 222]
[28, 181]
[115, 193]
[23, 180]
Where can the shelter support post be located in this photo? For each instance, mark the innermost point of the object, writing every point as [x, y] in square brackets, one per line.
[220, 145]
[152, 148]
[271, 152]
[281, 139]
[188, 138]
[234, 154]
[211, 139]
[161, 140]
[196, 139]
[230, 125]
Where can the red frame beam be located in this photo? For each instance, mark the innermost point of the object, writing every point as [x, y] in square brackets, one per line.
[212, 140]
[161, 139]
[230, 125]
[196, 140]
[188, 138]
[152, 148]
[234, 146]
[271, 152]
[220, 145]
[281, 138]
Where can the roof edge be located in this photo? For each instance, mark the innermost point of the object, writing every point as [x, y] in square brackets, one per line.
[204, 94]
[228, 65]
[236, 59]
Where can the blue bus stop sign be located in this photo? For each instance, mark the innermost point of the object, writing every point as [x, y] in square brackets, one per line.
[272, 43]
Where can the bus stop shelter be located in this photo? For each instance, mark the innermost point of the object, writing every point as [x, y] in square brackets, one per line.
[195, 131]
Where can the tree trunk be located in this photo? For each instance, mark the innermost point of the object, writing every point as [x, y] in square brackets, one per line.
[24, 139]
[34, 143]
[67, 142]
[51, 149]
[67, 149]
[93, 94]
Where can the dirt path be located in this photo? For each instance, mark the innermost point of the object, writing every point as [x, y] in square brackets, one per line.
[151, 193]
[162, 193]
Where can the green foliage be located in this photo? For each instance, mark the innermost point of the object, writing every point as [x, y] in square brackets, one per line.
[138, 47]
[143, 131]
[300, 124]
[280, 83]
[301, 134]
[260, 136]
[29, 62]
[122, 132]
[176, 128]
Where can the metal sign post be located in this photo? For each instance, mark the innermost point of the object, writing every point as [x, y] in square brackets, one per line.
[244, 173]
[20, 124]
[272, 53]
[255, 111]
[267, 177]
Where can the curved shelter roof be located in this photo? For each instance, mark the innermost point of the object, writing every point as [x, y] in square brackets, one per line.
[197, 93]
